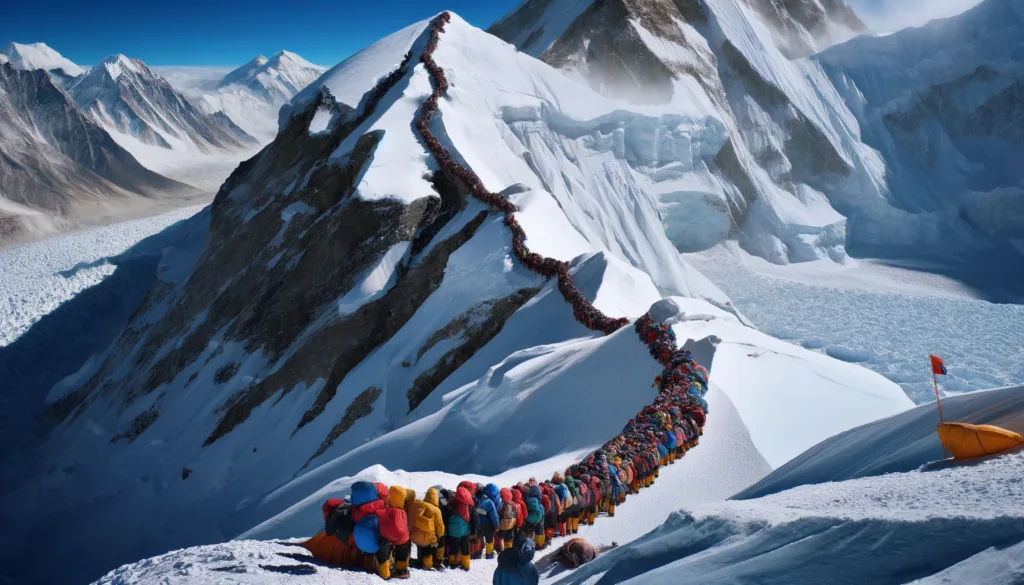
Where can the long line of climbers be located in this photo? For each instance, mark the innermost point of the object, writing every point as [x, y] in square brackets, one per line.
[376, 526]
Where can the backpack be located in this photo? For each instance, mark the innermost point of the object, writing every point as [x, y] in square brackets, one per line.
[507, 516]
[339, 522]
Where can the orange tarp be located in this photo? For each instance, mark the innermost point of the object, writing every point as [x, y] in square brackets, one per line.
[329, 549]
[965, 441]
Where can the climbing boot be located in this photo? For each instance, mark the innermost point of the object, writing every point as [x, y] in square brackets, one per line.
[611, 511]
[428, 562]
[507, 544]
[465, 563]
[490, 550]
[384, 570]
[453, 561]
[538, 539]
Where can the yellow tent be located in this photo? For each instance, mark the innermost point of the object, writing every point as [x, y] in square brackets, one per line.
[965, 441]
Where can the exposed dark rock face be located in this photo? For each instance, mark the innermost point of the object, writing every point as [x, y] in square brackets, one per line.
[615, 59]
[758, 87]
[475, 327]
[360, 407]
[139, 425]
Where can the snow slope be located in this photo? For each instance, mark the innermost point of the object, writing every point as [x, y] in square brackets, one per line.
[957, 524]
[38, 56]
[239, 366]
[892, 529]
[897, 444]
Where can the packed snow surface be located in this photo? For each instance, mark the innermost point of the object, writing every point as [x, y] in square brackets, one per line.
[890, 529]
[885, 319]
[38, 277]
[897, 444]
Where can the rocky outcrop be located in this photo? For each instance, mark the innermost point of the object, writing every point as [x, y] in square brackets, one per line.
[361, 406]
[474, 328]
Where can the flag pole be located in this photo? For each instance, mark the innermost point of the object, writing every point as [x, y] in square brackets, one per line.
[935, 384]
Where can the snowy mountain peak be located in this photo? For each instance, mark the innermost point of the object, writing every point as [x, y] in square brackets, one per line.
[244, 72]
[130, 100]
[116, 64]
[38, 56]
[275, 80]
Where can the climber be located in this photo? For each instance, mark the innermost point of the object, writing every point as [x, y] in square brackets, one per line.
[460, 526]
[572, 522]
[535, 515]
[515, 564]
[335, 545]
[366, 503]
[521, 511]
[445, 498]
[508, 519]
[578, 552]
[426, 527]
[487, 501]
[393, 526]
[551, 506]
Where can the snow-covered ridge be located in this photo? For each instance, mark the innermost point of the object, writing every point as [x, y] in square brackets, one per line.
[37, 56]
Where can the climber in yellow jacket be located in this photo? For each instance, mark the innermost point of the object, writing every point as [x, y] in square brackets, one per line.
[426, 527]
[396, 530]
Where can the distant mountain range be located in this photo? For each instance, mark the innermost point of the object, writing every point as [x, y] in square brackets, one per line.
[76, 142]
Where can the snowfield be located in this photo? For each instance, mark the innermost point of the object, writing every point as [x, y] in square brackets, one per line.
[888, 320]
[891, 529]
[36, 278]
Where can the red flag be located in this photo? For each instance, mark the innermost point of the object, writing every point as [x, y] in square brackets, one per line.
[938, 366]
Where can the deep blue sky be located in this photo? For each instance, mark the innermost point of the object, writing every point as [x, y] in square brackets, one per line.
[218, 32]
[230, 32]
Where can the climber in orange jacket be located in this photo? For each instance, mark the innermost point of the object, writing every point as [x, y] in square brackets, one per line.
[426, 527]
